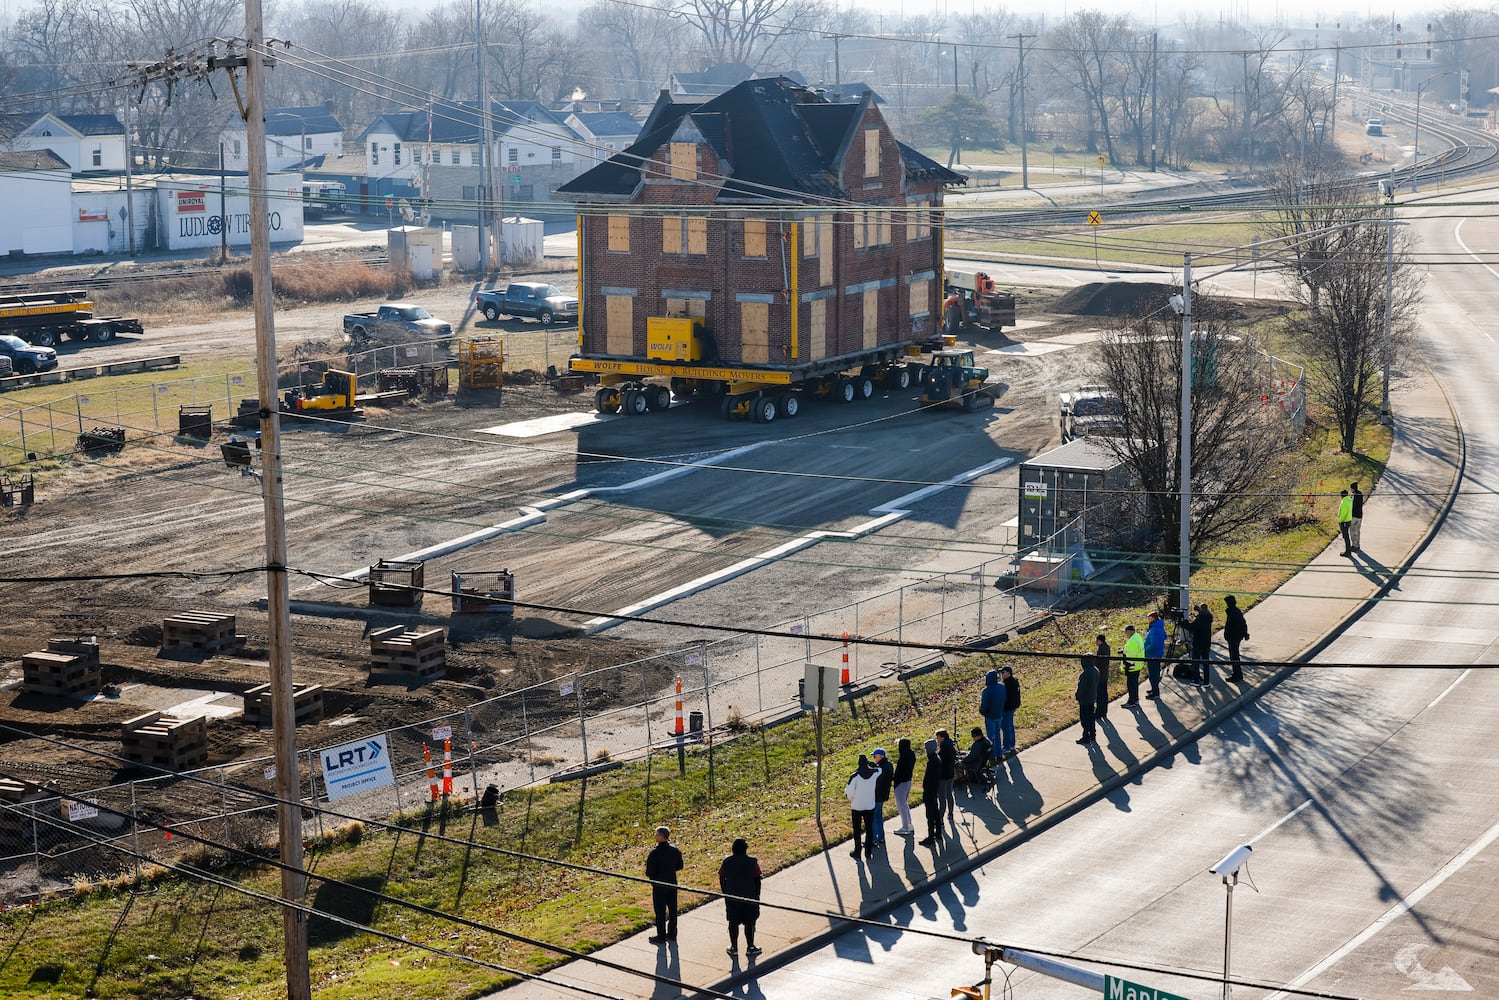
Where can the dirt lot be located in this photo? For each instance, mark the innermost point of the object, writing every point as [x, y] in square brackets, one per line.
[425, 472]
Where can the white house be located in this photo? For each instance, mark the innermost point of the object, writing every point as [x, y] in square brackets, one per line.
[36, 187]
[84, 142]
[292, 136]
[604, 133]
[524, 134]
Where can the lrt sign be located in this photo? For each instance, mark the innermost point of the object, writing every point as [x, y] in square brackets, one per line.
[1122, 989]
[357, 767]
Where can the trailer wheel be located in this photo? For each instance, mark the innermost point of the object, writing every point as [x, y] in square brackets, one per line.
[788, 405]
[103, 333]
[658, 397]
[491, 311]
[864, 386]
[900, 378]
[727, 407]
[681, 388]
[606, 400]
[763, 409]
[633, 402]
[44, 338]
[843, 390]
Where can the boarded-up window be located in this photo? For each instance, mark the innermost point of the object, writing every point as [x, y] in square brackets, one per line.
[619, 324]
[923, 222]
[871, 318]
[697, 235]
[809, 236]
[671, 234]
[871, 152]
[913, 221]
[883, 216]
[619, 233]
[817, 330]
[861, 225]
[825, 240]
[754, 237]
[683, 161]
[920, 290]
[754, 332]
[691, 308]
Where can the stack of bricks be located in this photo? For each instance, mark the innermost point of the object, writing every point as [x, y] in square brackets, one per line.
[402, 655]
[166, 741]
[307, 700]
[12, 792]
[199, 631]
[67, 668]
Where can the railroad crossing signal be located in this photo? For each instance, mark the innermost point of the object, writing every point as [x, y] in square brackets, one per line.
[1095, 219]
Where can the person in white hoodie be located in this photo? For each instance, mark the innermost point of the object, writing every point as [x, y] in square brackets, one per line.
[860, 792]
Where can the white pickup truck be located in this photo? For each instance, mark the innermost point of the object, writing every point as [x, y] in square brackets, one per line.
[1092, 410]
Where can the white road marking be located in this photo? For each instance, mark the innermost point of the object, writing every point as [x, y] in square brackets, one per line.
[1277, 824]
[1406, 904]
[547, 425]
[1437, 700]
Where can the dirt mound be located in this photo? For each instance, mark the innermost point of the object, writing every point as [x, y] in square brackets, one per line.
[1115, 298]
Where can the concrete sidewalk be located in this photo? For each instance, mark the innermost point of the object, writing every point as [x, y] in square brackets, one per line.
[1050, 781]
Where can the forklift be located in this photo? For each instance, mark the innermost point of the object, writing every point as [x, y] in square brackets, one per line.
[333, 397]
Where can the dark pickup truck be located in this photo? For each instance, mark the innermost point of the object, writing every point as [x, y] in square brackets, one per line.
[397, 322]
[527, 300]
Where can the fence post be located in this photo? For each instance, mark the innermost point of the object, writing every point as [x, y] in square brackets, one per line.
[582, 719]
[22, 415]
[645, 699]
[78, 406]
[981, 600]
[228, 397]
[51, 430]
[473, 770]
[224, 806]
[525, 728]
[155, 418]
[135, 835]
[312, 792]
[900, 630]
[758, 670]
[708, 710]
[942, 611]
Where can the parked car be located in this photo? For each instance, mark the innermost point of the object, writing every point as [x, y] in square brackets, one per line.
[397, 322]
[527, 300]
[1374, 126]
[27, 360]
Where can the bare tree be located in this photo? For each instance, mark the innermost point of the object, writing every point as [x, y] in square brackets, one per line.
[632, 47]
[1341, 331]
[746, 31]
[1084, 51]
[1237, 442]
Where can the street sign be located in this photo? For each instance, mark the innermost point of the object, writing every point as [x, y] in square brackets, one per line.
[814, 676]
[1095, 219]
[357, 767]
[1103, 160]
[1123, 989]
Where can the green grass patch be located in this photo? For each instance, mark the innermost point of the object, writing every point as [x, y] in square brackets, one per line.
[1155, 243]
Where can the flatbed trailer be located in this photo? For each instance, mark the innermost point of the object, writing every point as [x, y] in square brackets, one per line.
[44, 319]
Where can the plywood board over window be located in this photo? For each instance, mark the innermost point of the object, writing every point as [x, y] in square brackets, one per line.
[691, 308]
[825, 240]
[619, 233]
[619, 324]
[809, 236]
[683, 161]
[871, 318]
[871, 152]
[860, 222]
[883, 217]
[920, 303]
[754, 237]
[754, 332]
[671, 234]
[697, 235]
[817, 330]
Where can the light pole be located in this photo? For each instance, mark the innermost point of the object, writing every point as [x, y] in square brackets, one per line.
[1416, 168]
[1183, 304]
[1388, 187]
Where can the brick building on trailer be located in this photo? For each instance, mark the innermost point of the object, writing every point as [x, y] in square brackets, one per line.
[798, 229]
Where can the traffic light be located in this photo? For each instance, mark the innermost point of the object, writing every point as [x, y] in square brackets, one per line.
[1398, 53]
[1428, 41]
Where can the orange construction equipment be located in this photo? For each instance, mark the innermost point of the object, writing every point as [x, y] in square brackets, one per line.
[431, 774]
[447, 767]
[678, 729]
[845, 680]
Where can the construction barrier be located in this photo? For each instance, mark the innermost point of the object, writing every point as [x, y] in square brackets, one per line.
[447, 767]
[845, 679]
[431, 774]
[678, 730]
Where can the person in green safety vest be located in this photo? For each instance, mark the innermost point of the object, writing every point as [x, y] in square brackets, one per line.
[1134, 662]
[1345, 523]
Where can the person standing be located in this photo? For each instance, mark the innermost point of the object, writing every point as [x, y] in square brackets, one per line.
[1133, 665]
[1235, 631]
[1103, 656]
[739, 875]
[1087, 697]
[931, 794]
[992, 708]
[905, 770]
[1155, 651]
[661, 867]
[1356, 526]
[884, 781]
[1202, 644]
[1012, 705]
[947, 753]
[1345, 523]
[860, 793]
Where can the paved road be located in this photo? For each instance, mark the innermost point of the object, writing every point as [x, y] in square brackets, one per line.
[1368, 794]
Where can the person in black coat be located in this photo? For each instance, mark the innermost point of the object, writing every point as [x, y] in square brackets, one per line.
[739, 875]
[905, 770]
[947, 753]
[1235, 631]
[1087, 698]
[1103, 656]
[661, 867]
[931, 794]
[884, 782]
[1202, 643]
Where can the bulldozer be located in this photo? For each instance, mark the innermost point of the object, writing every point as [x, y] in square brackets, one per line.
[333, 397]
[983, 305]
[951, 378]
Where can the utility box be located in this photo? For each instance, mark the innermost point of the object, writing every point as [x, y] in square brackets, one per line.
[417, 249]
[673, 338]
[1075, 496]
[466, 249]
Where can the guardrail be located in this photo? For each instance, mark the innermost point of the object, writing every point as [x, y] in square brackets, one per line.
[60, 375]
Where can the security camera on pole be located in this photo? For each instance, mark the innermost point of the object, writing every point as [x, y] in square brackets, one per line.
[1229, 869]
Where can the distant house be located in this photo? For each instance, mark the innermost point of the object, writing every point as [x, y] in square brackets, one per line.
[84, 142]
[436, 152]
[774, 214]
[718, 79]
[292, 136]
[36, 189]
[603, 133]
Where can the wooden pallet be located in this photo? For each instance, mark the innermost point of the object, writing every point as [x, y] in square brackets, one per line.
[201, 631]
[401, 653]
[307, 700]
[166, 741]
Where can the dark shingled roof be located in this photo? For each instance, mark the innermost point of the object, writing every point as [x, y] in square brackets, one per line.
[460, 123]
[93, 124]
[778, 139]
[608, 122]
[32, 159]
[292, 121]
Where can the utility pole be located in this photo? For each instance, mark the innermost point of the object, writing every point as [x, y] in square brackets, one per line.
[1184, 558]
[1337, 71]
[483, 136]
[837, 70]
[955, 67]
[1248, 139]
[223, 212]
[1025, 166]
[1152, 99]
[278, 605]
[1389, 303]
[129, 186]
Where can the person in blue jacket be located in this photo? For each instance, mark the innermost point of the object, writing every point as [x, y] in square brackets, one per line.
[992, 708]
[1155, 651]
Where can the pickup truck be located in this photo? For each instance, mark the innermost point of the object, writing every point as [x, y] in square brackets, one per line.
[397, 322]
[1091, 410]
[527, 300]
